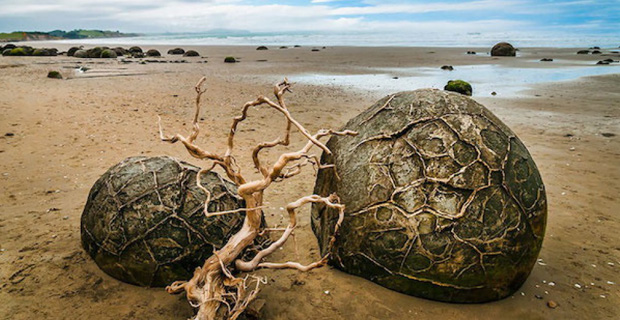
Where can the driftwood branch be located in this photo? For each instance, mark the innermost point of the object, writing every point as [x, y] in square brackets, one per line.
[214, 289]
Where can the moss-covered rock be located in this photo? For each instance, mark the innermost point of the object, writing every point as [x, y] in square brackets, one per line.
[81, 54]
[191, 53]
[108, 53]
[503, 49]
[176, 51]
[54, 75]
[153, 53]
[19, 52]
[6, 52]
[135, 49]
[230, 60]
[41, 52]
[72, 51]
[460, 86]
[94, 52]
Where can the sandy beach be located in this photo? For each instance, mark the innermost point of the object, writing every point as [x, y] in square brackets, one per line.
[58, 136]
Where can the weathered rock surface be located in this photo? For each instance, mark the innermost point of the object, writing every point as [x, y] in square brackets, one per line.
[443, 201]
[144, 223]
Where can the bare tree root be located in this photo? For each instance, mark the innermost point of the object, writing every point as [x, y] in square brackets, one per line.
[213, 289]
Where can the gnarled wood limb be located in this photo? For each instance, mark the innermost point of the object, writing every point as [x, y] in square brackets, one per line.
[213, 285]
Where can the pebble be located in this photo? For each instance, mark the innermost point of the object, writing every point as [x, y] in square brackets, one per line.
[611, 264]
[572, 149]
[577, 285]
[326, 291]
[603, 296]
[9, 134]
[65, 218]
[537, 296]
[610, 282]
[552, 304]
[552, 283]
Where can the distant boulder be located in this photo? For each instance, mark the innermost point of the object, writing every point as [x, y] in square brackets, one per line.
[447, 68]
[596, 52]
[153, 53]
[9, 46]
[81, 54]
[72, 51]
[460, 86]
[471, 52]
[191, 53]
[546, 59]
[262, 48]
[315, 50]
[18, 52]
[94, 52]
[596, 48]
[135, 49]
[603, 62]
[503, 49]
[283, 47]
[583, 52]
[41, 53]
[54, 75]
[120, 51]
[108, 53]
[176, 51]
[230, 60]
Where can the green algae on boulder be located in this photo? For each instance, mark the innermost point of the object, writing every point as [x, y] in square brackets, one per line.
[443, 201]
[144, 224]
[108, 53]
[460, 86]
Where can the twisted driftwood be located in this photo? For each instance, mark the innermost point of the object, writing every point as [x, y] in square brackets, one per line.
[213, 289]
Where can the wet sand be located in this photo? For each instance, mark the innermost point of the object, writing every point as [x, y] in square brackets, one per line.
[66, 133]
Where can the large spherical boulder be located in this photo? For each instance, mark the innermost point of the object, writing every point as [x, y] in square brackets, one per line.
[443, 201]
[94, 52]
[144, 224]
[503, 49]
[72, 51]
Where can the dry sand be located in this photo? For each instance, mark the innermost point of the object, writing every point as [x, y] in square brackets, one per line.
[68, 132]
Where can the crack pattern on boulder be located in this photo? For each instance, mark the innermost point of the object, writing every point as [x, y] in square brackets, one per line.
[144, 223]
[443, 200]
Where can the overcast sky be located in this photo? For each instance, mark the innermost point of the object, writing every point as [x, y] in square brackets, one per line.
[156, 16]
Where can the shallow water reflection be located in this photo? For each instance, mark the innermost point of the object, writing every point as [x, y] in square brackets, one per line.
[485, 79]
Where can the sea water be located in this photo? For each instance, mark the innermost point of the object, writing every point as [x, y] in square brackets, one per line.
[485, 79]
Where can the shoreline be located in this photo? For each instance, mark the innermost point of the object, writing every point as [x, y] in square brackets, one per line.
[65, 134]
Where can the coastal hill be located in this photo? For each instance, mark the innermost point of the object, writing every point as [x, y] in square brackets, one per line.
[60, 34]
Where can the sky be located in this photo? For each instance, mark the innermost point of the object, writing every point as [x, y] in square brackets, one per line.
[333, 16]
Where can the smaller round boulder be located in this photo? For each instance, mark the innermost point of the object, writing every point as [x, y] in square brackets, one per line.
[135, 49]
[81, 54]
[191, 53]
[153, 53]
[54, 75]
[72, 51]
[107, 53]
[460, 86]
[176, 51]
[262, 48]
[94, 52]
[41, 53]
[503, 49]
[230, 60]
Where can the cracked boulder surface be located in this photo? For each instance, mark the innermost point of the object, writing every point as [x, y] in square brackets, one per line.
[144, 223]
[443, 201]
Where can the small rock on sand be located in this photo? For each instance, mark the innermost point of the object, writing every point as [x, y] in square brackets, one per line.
[552, 304]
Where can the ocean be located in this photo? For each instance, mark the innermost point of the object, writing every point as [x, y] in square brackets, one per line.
[405, 39]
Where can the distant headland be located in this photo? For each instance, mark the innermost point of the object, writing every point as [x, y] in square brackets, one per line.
[60, 35]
